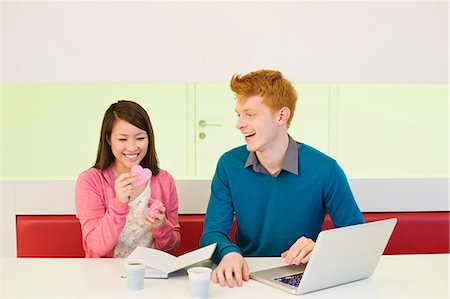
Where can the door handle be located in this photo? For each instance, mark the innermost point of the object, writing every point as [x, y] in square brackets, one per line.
[204, 123]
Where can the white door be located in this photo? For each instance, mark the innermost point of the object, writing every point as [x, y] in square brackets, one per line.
[215, 127]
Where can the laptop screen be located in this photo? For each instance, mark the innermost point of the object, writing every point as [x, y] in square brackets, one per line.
[354, 252]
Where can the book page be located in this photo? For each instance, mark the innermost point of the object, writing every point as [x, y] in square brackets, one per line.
[154, 258]
[192, 257]
[168, 263]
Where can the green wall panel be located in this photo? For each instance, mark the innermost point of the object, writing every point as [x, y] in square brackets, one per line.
[312, 117]
[393, 131]
[52, 131]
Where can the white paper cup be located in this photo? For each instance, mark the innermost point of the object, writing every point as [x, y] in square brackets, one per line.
[199, 278]
[135, 270]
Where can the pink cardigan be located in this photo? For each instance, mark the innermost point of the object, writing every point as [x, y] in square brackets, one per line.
[103, 217]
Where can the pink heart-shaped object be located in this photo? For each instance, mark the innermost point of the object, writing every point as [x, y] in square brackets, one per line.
[144, 175]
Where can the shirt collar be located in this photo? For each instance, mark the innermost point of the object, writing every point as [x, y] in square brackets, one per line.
[290, 161]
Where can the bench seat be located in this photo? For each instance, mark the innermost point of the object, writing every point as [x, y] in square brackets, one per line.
[60, 235]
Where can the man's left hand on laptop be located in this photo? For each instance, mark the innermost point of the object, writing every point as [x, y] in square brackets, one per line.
[299, 252]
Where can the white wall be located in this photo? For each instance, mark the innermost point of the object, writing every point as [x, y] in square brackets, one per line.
[310, 41]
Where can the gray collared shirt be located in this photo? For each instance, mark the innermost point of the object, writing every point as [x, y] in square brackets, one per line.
[290, 162]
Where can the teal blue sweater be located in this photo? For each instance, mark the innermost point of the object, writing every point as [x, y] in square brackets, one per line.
[273, 212]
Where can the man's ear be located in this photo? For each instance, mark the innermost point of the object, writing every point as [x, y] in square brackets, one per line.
[283, 115]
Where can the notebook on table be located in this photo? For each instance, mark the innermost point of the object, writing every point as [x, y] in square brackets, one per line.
[160, 264]
[340, 255]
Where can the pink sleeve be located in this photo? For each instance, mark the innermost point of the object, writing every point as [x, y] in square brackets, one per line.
[168, 238]
[102, 219]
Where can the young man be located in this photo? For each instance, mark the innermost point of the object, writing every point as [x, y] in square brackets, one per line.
[280, 190]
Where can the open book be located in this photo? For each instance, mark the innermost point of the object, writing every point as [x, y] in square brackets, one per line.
[160, 263]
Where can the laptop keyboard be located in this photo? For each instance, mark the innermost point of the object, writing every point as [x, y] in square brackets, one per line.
[292, 280]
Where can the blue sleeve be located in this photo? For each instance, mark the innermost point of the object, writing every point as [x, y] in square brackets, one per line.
[339, 200]
[219, 215]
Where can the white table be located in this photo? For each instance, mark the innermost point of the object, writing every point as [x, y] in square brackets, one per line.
[396, 276]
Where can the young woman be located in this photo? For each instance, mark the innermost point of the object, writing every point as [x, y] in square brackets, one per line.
[112, 211]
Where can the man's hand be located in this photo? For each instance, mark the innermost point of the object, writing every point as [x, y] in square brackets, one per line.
[299, 252]
[231, 265]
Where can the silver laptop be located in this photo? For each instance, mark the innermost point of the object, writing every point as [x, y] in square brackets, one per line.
[340, 256]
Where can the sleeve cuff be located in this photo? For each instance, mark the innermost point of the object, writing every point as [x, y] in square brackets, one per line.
[231, 248]
[118, 207]
[159, 232]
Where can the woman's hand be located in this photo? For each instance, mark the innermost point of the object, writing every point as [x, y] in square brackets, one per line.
[159, 220]
[123, 186]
